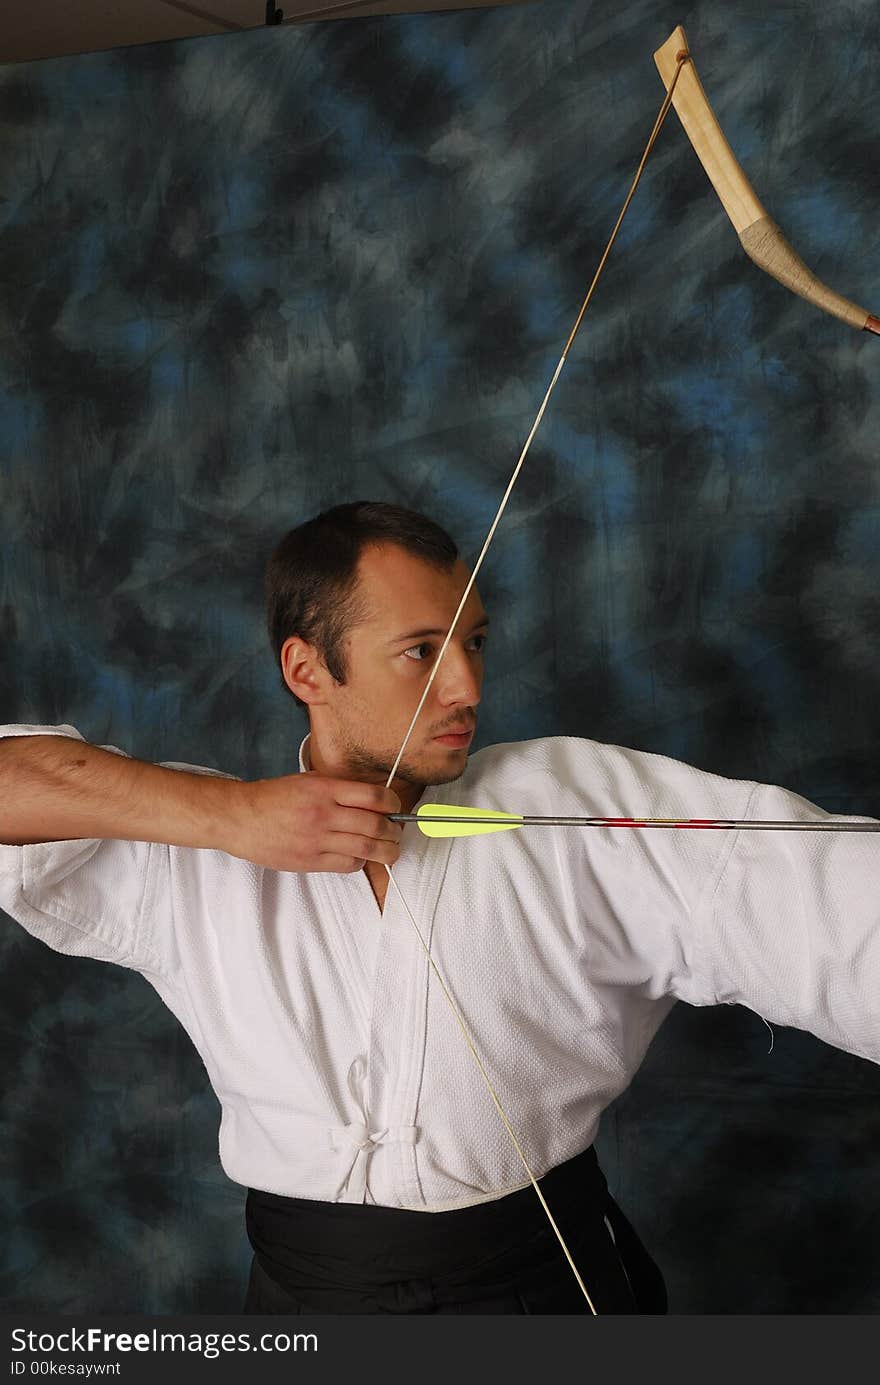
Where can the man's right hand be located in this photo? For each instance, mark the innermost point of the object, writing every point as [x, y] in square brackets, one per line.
[309, 822]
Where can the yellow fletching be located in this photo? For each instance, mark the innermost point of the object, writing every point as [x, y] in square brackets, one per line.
[501, 822]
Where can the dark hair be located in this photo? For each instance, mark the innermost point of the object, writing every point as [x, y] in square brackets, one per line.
[311, 577]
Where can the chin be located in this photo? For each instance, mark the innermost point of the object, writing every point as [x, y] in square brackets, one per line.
[447, 776]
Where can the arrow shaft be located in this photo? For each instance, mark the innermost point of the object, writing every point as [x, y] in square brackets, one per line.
[724, 824]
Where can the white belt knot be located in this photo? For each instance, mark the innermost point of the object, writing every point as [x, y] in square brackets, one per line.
[359, 1138]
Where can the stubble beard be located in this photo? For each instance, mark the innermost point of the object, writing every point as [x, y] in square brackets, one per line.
[366, 764]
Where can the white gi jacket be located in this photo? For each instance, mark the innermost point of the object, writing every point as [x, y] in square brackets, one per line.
[340, 1070]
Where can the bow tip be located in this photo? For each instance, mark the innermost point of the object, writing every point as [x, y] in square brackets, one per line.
[667, 55]
[872, 324]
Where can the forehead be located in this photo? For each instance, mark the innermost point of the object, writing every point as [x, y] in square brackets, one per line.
[399, 586]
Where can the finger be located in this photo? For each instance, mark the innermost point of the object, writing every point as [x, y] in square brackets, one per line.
[339, 865]
[365, 824]
[349, 844]
[351, 793]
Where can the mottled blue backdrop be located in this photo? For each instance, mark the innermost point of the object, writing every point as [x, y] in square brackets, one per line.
[245, 278]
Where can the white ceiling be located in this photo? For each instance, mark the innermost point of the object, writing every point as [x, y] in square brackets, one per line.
[31, 29]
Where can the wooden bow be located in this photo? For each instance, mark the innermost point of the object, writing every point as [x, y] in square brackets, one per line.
[759, 235]
[764, 243]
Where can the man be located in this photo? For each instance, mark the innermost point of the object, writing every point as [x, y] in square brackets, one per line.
[380, 1177]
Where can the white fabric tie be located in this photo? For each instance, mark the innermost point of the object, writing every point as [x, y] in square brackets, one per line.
[362, 1141]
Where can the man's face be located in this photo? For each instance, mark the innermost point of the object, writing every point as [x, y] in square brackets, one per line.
[409, 606]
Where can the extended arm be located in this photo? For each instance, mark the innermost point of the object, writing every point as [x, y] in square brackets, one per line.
[57, 788]
[54, 788]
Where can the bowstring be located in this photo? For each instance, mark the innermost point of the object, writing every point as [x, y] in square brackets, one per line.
[681, 58]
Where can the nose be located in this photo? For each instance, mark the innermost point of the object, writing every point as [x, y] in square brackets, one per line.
[458, 680]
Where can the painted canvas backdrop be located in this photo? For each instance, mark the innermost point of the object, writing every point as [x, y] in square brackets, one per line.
[246, 278]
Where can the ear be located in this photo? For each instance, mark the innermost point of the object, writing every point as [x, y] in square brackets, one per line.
[304, 670]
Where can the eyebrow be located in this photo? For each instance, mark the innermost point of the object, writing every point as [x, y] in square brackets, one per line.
[423, 634]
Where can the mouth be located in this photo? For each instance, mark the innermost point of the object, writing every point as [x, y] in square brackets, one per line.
[456, 740]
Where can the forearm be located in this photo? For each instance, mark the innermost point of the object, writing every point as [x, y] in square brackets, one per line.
[54, 788]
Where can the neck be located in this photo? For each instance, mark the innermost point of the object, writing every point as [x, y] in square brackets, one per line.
[323, 760]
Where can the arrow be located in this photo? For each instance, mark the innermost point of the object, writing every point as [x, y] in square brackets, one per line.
[449, 820]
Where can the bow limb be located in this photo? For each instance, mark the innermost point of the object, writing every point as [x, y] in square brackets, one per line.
[759, 235]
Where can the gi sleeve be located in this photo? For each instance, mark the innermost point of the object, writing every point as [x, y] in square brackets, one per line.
[791, 926]
[105, 899]
[786, 923]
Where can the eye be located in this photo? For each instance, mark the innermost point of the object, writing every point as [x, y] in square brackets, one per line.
[479, 641]
[418, 652]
